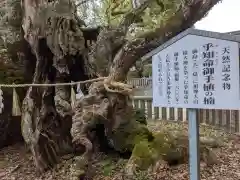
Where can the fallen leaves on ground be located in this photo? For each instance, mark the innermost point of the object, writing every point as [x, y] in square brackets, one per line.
[16, 162]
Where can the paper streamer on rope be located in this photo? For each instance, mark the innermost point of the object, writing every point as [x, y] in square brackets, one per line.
[1, 101]
[16, 110]
[79, 92]
[73, 97]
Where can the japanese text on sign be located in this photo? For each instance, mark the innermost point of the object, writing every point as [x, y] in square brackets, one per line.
[197, 72]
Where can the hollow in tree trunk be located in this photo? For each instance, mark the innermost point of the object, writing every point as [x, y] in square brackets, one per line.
[50, 125]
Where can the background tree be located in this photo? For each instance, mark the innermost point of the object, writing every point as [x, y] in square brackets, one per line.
[55, 42]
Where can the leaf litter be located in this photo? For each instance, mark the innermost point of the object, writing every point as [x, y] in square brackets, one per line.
[16, 162]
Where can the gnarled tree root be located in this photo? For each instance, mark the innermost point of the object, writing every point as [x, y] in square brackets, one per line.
[90, 111]
[171, 148]
[124, 133]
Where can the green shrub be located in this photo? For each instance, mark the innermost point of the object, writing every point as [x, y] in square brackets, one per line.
[140, 116]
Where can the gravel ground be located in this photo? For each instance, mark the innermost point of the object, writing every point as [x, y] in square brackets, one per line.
[16, 162]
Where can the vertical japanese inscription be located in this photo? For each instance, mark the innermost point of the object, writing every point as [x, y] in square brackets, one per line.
[226, 68]
[176, 76]
[160, 76]
[185, 73]
[208, 71]
[169, 84]
[195, 75]
[197, 72]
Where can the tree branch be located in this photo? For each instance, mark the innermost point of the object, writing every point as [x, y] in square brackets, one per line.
[81, 3]
[184, 18]
[130, 17]
[115, 13]
[110, 40]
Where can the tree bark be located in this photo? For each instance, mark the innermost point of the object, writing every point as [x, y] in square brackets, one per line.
[59, 46]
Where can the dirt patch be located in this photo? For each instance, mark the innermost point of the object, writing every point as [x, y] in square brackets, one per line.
[16, 162]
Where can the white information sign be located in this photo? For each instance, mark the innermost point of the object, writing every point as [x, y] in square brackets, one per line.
[197, 72]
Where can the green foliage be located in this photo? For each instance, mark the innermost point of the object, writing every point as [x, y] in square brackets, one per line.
[108, 167]
[115, 10]
[129, 134]
[10, 72]
[10, 20]
[140, 116]
[170, 147]
[163, 146]
[143, 155]
[110, 12]
[154, 16]
[147, 71]
[133, 74]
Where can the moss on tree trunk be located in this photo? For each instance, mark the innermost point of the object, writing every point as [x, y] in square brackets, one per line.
[147, 148]
[57, 41]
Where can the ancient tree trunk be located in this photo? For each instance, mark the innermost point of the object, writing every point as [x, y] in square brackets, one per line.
[108, 102]
[59, 46]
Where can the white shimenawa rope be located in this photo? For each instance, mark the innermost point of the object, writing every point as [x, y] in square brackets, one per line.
[16, 110]
[57, 84]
